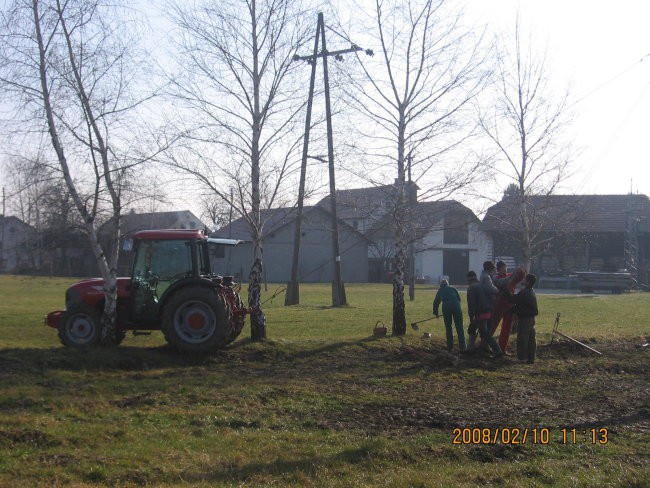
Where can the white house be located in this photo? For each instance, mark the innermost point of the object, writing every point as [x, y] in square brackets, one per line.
[445, 234]
[450, 243]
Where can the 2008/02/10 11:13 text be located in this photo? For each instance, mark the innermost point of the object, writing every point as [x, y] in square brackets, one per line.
[525, 435]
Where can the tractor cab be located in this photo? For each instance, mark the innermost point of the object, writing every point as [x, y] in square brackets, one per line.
[162, 261]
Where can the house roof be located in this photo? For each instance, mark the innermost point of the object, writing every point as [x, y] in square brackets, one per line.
[363, 203]
[10, 220]
[574, 213]
[427, 216]
[132, 222]
[273, 219]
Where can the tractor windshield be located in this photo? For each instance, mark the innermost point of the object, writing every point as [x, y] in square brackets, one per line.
[167, 260]
[158, 264]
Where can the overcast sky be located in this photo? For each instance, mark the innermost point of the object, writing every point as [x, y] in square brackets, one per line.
[602, 50]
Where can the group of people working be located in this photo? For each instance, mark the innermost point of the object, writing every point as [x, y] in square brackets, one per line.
[491, 300]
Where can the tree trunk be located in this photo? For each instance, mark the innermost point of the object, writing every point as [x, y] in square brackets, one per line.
[258, 320]
[399, 311]
[526, 244]
[109, 275]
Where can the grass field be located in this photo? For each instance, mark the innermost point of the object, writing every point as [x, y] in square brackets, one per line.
[322, 403]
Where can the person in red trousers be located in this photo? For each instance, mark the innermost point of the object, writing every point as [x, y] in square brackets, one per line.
[503, 307]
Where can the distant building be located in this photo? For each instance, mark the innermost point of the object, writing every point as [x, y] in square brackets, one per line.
[316, 260]
[363, 208]
[445, 234]
[446, 242]
[17, 244]
[606, 233]
[178, 219]
[449, 242]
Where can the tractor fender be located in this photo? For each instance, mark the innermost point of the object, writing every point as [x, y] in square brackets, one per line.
[182, 284]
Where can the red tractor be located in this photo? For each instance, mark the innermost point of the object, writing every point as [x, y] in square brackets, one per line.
[171, 288]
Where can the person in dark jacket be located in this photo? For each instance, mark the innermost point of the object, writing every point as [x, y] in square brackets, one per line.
[479, 307]
[526, 308]
[451, 310]
[488, 276]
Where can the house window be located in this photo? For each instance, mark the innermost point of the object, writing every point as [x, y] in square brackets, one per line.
[355, 224]
[456, 230]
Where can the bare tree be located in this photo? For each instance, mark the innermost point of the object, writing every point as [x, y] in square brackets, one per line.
[40, 198]
[70, 65]
[217, 211]
[416, 95]
[235, 79]
[526, 127]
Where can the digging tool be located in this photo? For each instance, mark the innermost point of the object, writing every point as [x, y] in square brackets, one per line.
[556, 325]
[414, 325]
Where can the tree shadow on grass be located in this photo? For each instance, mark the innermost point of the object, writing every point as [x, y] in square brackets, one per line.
[286, 468]
[30, 360]
[365, 356]
[131, 358]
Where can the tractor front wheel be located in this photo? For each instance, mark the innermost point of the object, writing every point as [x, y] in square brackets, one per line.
[197, 319]
[80, 326]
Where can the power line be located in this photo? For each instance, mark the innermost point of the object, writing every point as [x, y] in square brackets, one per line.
[607, 82]
[603, 153]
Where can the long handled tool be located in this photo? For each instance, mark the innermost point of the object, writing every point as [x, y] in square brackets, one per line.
[556, 331]
[414, 325]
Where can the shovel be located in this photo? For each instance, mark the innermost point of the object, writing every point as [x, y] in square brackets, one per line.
[414, 325]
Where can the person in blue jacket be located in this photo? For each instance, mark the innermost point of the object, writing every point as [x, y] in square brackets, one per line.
[450, 299]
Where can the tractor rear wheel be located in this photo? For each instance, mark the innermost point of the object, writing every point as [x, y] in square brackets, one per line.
[197, 319]
[80, 326]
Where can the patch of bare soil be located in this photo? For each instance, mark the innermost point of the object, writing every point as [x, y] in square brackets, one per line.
[568, 386]
[31, 437]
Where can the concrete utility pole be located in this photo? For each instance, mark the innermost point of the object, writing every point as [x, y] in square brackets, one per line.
[292, 296]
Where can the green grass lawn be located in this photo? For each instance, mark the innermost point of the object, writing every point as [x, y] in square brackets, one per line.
[322, 403]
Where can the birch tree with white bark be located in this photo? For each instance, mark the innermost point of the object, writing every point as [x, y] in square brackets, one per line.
[416, 94]
[526, 123]
[237, 89]
[69, 69]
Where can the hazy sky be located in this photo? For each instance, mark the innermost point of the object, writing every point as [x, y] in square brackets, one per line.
[601, 49]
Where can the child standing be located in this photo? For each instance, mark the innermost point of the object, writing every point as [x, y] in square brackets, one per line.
[451, 310]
